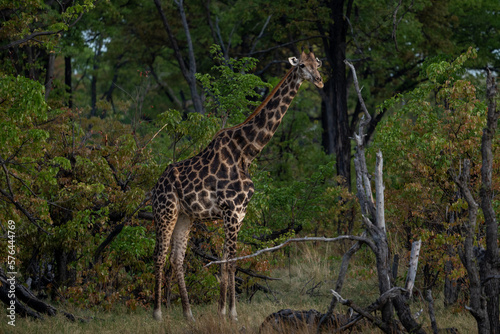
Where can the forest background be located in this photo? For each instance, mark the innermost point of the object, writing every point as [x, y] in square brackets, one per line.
[98, 97]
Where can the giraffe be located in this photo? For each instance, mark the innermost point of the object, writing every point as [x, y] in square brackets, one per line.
[215, 184]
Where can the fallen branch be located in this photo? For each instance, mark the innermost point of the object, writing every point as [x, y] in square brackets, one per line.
[287, 320]
[26, 304]
[272, 249]
[366, 312]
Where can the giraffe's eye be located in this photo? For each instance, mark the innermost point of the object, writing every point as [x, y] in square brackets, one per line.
[302, 65]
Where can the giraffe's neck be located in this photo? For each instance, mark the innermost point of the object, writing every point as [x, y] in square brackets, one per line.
[252, 135]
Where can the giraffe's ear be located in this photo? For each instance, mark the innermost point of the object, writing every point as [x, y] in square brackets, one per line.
[294, 61]
[319, 62]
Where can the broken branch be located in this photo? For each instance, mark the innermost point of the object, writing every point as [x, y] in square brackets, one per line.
[272, 249]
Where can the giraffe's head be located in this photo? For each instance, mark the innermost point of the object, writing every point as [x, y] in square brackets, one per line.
[308, 68]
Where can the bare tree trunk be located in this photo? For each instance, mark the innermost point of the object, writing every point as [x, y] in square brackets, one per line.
[49, 74]
[370, 209]
[93, 81]
[450, 285]
[482, 265]
[432, 315]
[108, 95]
[412, 272]
[451, 288]
[188, 71]
[379, 236]
[93, 93]
[492, 261]
[477, 304]
[336, 130]
[31, 63]
[67, 80]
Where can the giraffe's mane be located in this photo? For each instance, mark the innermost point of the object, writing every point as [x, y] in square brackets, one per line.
[262, 105]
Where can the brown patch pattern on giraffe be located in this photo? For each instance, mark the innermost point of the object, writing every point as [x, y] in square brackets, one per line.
[215, 184]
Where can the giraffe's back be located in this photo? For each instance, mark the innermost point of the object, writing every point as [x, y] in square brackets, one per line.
[210, 182]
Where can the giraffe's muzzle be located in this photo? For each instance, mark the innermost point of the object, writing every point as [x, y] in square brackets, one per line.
[318, 82]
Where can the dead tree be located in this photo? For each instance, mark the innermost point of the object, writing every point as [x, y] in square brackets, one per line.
[374, 220]
[491, 274]
[482, 264]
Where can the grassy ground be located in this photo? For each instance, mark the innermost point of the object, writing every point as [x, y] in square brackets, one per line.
[305, 285]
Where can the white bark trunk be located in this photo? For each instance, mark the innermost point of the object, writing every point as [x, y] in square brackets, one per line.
[412, 272]
[379, 191]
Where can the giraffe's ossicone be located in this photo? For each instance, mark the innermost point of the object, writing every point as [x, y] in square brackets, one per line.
[215, 184]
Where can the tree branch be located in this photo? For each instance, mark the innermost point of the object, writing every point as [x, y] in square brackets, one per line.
[9, 185]
[396, 21]
[28, 38]
[192, 61]
[21, 208]
[39, 33]
[395, 24]
[341, 277]
[248, 272]
[358, 91]
[283, 45]
[272, 249]
[260, 34]
[117, 231]
[188, 73]
[34, 194]
[166, 88]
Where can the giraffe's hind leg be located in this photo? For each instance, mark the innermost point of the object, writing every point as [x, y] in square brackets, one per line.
[165, 217]
[179, 245]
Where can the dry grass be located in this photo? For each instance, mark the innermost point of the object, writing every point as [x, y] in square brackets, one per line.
[306, 283]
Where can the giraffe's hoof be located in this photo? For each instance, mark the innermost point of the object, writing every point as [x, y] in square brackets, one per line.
[157, 315]
[233, 316]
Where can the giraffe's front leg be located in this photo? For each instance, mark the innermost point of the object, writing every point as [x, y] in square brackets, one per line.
[223, 284]
[232, 288]
[231, 226]
[231, 268]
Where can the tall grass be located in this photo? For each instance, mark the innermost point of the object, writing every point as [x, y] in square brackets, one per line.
[307, 275]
